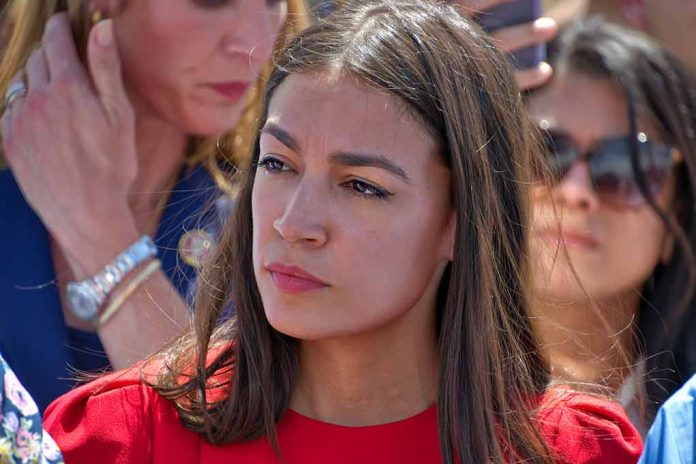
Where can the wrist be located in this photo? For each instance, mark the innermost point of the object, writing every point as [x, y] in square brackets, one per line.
[89, 249]
[87, 297]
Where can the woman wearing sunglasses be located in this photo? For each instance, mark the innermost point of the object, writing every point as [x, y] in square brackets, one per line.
[615, 280]
[377, 264]
[115, 142]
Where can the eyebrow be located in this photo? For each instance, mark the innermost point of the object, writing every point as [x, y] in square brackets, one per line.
[369, 160]
[342, 158]
[281, 135]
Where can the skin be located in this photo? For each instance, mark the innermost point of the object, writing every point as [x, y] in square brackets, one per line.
[669, 21]
[368, 345]
[170, 50]
[121, 141]
[565, 11]
[625, 244]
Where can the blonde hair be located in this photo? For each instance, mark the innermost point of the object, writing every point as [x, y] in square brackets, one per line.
[28, 18]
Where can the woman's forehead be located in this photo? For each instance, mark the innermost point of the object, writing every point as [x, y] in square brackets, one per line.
[345, 111]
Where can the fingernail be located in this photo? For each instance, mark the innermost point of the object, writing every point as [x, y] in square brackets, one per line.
[105, 33]
[544, 24]
[545, 68]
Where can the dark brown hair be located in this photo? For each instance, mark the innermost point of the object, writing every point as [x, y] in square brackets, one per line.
[232, 380]
[657, 84]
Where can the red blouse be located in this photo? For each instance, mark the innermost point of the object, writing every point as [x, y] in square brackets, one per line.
[118, 419]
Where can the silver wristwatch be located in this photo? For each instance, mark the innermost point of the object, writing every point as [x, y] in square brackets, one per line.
[86, 298]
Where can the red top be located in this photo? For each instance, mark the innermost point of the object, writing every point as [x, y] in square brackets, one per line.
[118, 419]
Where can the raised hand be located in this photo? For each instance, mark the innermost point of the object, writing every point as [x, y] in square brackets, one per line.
[70, 139]
[511, 39]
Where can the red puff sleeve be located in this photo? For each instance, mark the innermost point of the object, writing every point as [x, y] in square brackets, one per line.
[585, 429]
[118, 419]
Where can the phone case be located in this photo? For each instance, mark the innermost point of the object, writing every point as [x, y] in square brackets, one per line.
[513, 14]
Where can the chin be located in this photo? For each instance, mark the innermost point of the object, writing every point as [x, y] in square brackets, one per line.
[309, 328]
[213, 123]
[298, 331]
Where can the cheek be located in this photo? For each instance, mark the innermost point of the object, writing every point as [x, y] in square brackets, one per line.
[636, 242]
[392, 261]
[262, 216]
[631, 247]
[160, 63]
[155, 47]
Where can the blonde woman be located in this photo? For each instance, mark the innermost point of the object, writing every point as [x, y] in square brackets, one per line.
[103, 156]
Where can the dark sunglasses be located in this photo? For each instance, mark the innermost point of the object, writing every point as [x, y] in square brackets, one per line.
[610, 165]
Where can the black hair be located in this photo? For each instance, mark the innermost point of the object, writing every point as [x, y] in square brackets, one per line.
[655, 83]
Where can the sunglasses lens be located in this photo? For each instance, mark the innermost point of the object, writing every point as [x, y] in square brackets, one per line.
[614, 176]
[560, 155]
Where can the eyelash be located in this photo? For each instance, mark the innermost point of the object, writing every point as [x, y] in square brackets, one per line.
[356, 187]
[211, 3]
[219, 3]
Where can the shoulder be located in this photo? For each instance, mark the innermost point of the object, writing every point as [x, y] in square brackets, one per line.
[117, 418]
[683, 400]
[672, 436]
[584, 428]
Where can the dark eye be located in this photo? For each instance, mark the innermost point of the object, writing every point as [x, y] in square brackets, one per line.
[271, 164]
[211, 3]
[365, 190]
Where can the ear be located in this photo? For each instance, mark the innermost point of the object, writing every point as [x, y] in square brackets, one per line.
[450, 236]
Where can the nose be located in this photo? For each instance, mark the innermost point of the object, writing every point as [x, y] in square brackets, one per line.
[254, 36]
[303, 220]
[575, 189]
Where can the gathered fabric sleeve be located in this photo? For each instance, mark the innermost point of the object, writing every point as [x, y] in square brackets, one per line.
[107, 420]
[585, 429]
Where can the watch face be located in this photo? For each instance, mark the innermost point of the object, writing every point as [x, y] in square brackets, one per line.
[82, 302]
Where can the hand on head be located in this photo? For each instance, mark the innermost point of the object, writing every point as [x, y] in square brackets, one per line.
[515, 38]
[69, 138]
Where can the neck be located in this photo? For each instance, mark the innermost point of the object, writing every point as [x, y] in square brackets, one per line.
[161, 149]
[384, 376]
[589, 341]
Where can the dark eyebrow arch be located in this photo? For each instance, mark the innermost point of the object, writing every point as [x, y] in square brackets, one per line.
[368, 160]
[342, 158]
[281, 135]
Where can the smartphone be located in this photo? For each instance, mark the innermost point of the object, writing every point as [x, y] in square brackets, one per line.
[513, 14]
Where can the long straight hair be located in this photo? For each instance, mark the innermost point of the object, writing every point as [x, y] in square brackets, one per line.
[232, 380]
[27, 20]
[656, 84]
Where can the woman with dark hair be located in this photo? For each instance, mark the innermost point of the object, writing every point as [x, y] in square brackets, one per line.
[377, 266]
[619, 118]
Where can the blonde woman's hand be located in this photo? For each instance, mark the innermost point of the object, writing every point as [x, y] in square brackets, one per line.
[511, 39]
[70, 141]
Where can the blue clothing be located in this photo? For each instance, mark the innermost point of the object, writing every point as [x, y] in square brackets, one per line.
[672, 437]
[22, 437]
[34, 338]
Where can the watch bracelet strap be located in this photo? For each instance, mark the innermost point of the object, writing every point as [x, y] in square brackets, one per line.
[114, 305]
[116, 271]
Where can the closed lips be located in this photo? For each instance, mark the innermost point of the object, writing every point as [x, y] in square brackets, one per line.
[232, 90]
[292, 279]
[570, 237]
